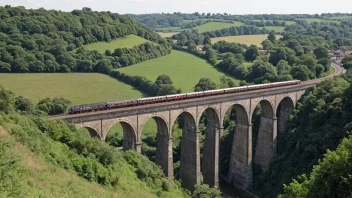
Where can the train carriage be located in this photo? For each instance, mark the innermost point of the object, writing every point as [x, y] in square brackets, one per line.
[176, 97]
[195, 94]
[213, 92]
[123, 103]
[235, 89]
[142, 101]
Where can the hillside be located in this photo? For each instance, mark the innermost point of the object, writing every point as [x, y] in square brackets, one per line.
[245, 39]
[57, 146]
[212, 26]
[184, 69]
[79, 88]
[41, 178]
[50, 41]
[320, 121]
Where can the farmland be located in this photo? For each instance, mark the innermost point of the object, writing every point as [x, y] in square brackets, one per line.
[167, 34]
[212, 26]
[287, 22]
[184, 69]
[127, 41]
[311, 20]
[168, 29]
[79, 88]
[245, 39]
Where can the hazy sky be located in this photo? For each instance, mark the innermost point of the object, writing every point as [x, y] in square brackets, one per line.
[191, 6]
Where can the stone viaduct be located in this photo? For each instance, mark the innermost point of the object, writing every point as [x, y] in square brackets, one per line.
[276, 105]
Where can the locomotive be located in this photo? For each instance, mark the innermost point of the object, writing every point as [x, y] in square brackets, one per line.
[168, 98]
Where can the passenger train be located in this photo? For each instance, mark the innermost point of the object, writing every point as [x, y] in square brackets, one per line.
[169, 98]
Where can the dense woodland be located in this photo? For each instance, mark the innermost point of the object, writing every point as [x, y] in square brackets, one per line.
[51, 41]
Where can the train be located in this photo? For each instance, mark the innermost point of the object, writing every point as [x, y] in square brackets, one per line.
[168, 98]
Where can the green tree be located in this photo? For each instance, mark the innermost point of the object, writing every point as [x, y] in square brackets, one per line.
[211, 55]
[300, 72]
[272, 36]
[207, 40]
[321, 52]
[283, 68]
[205, 84]
[204, 191]
[163, 79]
[251, 53]
[267, 44]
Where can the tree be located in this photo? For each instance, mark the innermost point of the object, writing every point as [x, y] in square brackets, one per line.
[251, 53]
[283, 68]
[211, 55]
[226, 82]
[319, 69]
[261, 71]
[204, 191]
[267, 44]
[321, 52]
[207, 40]
[272, 36]
[300, 72]
[205, 84]
[163, 79]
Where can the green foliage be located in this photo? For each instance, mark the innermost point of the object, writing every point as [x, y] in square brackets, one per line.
[54, 106]
[51, 41]
[332, 177]
[205, 84]
[251, 53]
[11, 173]
[204, 191]
[320, 121]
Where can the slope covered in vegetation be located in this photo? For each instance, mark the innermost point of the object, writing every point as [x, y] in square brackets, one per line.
[61, 145]
[319, 122]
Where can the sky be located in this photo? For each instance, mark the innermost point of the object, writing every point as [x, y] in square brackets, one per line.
[191, 6]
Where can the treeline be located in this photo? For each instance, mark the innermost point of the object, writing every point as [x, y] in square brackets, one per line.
[322, 118]
[263, 23]
[51, 41]
[162, 85]
[176, 19]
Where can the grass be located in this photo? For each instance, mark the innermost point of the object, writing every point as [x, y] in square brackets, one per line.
[244, 39]
[212, 26]
[79, 88]
[167, 34]
[168, 29]
[184, 69]
[42, 179]
[339, 17]
[312, 20]
[127, 41]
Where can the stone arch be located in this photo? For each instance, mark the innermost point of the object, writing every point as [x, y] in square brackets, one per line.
[242, 114]
[267, 108]
[207, 109]
[92, 131]
[210, 160]
[129, 134]
[163, 156]
[190, 159]
[265, 144]
[240, 166]
[283, 111]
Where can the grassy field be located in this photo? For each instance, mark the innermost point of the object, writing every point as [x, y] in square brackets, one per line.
[212, 26]
[275, 28]
[339, 17]
[167, 34]
[287, 22]
[79, 88]
[311, 20]
[127, 41]
[244, 39]
[168, 29]
[184, 69]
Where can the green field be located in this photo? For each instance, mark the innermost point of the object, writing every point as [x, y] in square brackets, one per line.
[244, 39]
[339, 17]
[311, 20]
[127, 41]
[212, 26]
[167, 34]
[184, 69]
[168, 29]
[275, 28]
[79, 88]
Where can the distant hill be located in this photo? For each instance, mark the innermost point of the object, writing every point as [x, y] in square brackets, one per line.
[45, 40]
